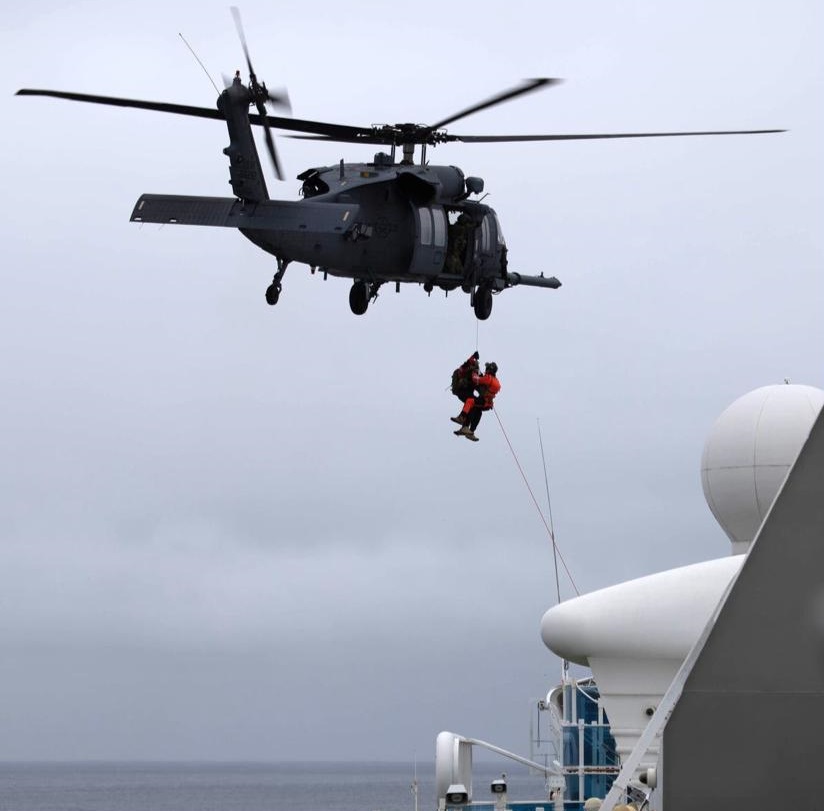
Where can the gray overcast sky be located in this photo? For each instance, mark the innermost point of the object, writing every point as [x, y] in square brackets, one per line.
[229, 531]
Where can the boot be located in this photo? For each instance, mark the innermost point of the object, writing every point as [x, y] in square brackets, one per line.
[471, 435]
[462, 431]
[460, 419]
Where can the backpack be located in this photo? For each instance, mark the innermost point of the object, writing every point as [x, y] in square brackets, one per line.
[461, 378]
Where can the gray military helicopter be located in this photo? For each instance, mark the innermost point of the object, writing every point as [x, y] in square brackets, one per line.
[384, 221]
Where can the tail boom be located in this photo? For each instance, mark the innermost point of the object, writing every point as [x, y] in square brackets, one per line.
[298, 231]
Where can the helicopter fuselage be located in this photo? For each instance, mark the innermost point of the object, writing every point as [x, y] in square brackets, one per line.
[377, 222]
[399, 224]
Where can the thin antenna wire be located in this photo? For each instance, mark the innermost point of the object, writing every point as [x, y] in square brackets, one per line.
[549, 512]
[199, 63]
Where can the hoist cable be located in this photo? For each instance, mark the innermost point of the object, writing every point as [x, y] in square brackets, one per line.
[535, 502]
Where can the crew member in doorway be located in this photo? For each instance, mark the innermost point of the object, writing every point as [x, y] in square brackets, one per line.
[488, 386]
[459, 234]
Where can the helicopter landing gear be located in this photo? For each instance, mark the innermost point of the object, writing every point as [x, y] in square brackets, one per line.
[272, 294]
[482, 302]
[273, 290]
[359, 296]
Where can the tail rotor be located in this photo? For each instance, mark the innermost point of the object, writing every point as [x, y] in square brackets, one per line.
[261, 95]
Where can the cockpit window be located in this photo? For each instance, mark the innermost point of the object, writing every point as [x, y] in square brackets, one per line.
[501, 240]
[485, 235]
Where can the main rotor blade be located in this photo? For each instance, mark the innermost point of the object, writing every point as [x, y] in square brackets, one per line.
[358, 137]
[293, 124]
[377, 137]
[527, 87]
[164, 107]
[320, 130]
[481, 139]
[340, 132]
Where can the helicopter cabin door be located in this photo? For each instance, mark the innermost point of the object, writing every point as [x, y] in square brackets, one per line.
[430, 241]
[488, 239]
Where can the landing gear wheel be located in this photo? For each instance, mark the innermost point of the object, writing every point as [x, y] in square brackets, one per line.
[272, 294]
[482, 303]
[359, 297]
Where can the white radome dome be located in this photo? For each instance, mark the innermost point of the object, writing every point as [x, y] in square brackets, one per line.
[749, 452]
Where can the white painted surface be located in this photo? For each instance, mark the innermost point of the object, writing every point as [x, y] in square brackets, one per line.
[749, 452]
[654, 617]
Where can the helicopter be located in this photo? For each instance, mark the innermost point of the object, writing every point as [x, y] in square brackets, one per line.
[384, 221]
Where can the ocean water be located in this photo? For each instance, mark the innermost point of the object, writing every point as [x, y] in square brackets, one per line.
[119, 786]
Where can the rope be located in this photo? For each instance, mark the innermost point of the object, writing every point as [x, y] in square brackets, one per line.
[535, 502]
[549, 510]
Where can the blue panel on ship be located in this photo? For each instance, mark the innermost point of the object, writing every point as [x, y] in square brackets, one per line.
[589, 758]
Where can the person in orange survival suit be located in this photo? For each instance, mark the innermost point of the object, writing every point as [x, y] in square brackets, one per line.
[488, 386]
